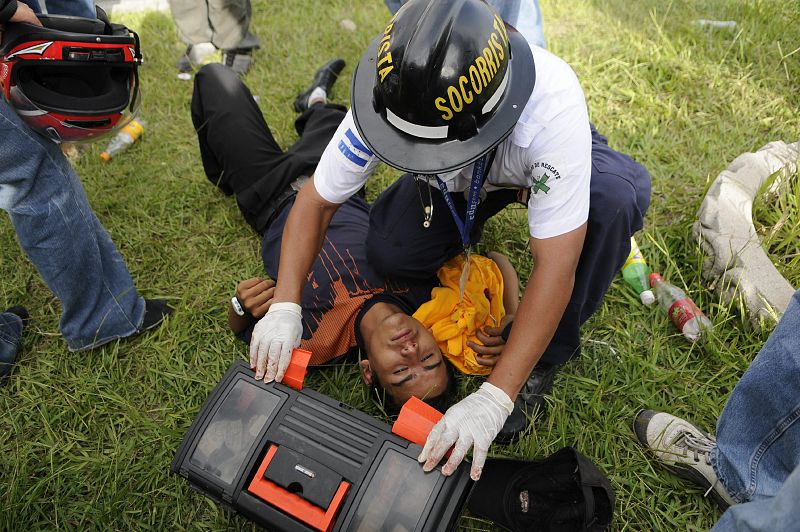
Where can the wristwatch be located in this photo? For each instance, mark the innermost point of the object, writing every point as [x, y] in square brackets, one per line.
[237, 306]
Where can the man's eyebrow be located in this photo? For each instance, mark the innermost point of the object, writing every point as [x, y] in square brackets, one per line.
[402, 382]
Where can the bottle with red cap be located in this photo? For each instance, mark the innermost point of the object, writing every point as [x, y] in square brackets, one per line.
[682, 311]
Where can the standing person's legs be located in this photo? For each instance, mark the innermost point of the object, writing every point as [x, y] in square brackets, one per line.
[191, 19]
[524, 15]
[239, 153]
[758, 432]
[64, 239]
[75, 8]
[780, 512]
[620, 196]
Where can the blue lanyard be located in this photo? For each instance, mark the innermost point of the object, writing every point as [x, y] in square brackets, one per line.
[479, 173]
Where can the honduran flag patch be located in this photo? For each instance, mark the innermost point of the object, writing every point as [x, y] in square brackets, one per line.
[354, 150]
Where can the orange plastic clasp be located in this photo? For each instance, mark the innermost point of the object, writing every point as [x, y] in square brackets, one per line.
[296, 372]
[415, 421]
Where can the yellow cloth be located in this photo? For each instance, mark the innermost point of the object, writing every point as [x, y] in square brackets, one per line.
[453, 322]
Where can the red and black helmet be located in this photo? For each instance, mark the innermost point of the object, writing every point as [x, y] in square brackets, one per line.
[73, 78]
[444, 83]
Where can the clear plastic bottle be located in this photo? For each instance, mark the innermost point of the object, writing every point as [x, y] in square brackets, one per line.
[126, 136]
[635, 272]
[682, 311]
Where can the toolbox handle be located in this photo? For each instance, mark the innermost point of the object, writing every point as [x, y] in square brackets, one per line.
[298, 366]
[415, 421]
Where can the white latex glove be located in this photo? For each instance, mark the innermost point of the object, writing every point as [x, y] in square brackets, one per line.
[274, 337]
[473, 421]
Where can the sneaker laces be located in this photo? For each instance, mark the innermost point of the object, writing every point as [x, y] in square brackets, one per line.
[697, 446]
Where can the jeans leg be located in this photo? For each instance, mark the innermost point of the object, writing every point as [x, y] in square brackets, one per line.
[75, 8]
[525, 16]
[758, 432]
[780, 512]
[619, 198]
[61, 235]
[10, 338]
[33, 4]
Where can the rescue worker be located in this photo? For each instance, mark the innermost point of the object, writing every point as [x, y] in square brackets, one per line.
[451, 95]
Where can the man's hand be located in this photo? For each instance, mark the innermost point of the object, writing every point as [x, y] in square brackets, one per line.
[25, 14]
[274, 337]
[493, 342]
[472, 422]
[255, 295]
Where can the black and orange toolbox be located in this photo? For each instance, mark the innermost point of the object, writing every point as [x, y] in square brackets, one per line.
[293, 459]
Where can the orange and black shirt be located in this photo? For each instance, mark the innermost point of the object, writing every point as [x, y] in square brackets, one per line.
[340, 282]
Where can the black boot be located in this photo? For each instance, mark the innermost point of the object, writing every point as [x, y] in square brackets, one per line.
[324, 77]
[530, 403]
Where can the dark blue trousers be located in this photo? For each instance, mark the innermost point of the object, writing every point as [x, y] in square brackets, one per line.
[398, 245]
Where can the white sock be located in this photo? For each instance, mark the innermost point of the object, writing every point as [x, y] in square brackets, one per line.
[318, 95]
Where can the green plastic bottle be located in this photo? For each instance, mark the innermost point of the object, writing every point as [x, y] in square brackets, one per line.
[635, 272]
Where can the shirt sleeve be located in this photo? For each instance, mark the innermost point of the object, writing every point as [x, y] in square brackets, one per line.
[560, 168]
[346, 164]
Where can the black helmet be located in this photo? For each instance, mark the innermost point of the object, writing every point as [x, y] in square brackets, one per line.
[71, 78]
[443, 84]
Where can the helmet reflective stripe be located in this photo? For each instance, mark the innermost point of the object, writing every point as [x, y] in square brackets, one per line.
[493, 101]
[440, 132]
[35, 49]
[425, 132]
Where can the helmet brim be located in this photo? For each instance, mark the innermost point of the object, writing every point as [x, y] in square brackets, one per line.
[431, 156]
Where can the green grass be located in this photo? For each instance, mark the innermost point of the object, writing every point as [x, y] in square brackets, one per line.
[86, 439]
[776, 215]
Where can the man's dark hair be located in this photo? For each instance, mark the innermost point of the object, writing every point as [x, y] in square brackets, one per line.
[440, 402]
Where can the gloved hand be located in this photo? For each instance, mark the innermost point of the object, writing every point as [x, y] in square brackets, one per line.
[274, 337]
[475, 420]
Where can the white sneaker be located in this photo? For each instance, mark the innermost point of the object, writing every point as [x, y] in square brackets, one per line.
[683, 449]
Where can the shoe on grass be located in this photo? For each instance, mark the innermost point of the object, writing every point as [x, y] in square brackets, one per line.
[195, 56]
[530, 404]
[321, 85]
[238, 59]
[8, 355]
[155, 310]
[683, 449]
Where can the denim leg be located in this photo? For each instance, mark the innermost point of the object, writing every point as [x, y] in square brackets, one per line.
[524, 15]
[10, 338]
[776, 513]
[33, 4]
[75, 8]
[64, 239]
[758, 432]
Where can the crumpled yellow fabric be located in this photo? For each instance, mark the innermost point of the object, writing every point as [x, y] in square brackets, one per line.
[453, 322]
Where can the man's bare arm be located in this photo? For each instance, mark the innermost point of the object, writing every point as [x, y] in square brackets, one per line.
[546, 296]
[303, 235]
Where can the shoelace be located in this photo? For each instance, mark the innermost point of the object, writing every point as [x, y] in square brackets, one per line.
[691, 444]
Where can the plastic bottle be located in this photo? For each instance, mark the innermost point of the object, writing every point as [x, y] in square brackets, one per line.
[126, 136]
[635, 272]
[707, 23]
[682, 311]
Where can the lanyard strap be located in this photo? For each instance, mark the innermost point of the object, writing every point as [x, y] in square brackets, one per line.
[479, 173]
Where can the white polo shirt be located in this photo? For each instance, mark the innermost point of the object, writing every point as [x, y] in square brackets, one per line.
[549, 152]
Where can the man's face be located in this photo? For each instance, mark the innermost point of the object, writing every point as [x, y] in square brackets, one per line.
[405, 358]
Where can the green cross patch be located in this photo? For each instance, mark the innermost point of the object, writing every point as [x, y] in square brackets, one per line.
[539, 184]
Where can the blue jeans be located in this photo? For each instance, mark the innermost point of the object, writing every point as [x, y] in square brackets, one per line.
[10, 337]
[757, 457]
[524, 15]
[75, 8]
[61, 235]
